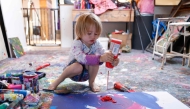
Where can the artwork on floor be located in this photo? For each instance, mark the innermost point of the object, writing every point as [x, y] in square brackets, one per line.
[16, 47]
[117, 100]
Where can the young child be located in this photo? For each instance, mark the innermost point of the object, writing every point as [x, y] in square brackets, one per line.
[86, 53]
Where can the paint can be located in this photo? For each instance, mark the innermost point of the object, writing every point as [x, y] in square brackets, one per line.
[17, 77]
[30, 80]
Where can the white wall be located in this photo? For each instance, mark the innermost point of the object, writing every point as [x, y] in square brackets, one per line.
[66, 25]
[26, 5]
[3, 52]
[162, 9]
[13, 20]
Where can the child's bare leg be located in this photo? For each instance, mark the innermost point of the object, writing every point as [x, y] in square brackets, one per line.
[93, 70]
[70, 71]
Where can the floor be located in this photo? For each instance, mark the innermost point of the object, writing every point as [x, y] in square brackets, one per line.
[136, 70]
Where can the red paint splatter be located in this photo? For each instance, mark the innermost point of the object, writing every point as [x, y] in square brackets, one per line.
[4, 54]
[107, 98]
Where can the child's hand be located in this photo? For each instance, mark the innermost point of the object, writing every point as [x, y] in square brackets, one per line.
[115, 62]
[107, 57]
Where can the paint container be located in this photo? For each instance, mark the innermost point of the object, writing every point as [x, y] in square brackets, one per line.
[114, 48]
[40, 74]
[16, 91]
[4, 105]
[17, 77]
[30, 80]
[11, 97]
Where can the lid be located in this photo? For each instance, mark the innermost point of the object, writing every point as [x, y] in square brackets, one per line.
[16, 74]
[29, 74]
[116, 40]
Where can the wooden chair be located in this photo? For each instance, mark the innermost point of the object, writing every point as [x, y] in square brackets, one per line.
[172, 33]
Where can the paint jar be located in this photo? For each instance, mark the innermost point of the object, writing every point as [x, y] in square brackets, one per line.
[17, 77]
[30, 80]
[114, 48]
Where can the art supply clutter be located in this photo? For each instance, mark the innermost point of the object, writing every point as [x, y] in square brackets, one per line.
[19, 89]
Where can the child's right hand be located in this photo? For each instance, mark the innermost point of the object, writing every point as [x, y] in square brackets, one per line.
[107, 57]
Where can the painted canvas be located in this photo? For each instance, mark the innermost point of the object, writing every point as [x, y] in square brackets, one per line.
[16, 47]
[122, 100]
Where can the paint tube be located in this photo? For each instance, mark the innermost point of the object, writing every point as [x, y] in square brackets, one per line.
[9, 91]
[11, 97]
[42, 66]
[16, 86]
[114, 47]
[4, 105]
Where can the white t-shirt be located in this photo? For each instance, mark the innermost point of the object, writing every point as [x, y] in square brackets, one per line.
[85, 55]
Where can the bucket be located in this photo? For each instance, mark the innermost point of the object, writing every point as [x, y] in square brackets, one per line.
[30, 80]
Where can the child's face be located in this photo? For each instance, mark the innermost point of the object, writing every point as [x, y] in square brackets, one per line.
[90, 37]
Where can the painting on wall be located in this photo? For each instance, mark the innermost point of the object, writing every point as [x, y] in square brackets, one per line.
[3, 51]
[16, 47]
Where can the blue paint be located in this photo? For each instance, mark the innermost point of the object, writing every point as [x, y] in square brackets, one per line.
[144, 99]
[124, 101]
[53, 107]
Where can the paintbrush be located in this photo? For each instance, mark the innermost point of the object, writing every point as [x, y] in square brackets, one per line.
[58, 91]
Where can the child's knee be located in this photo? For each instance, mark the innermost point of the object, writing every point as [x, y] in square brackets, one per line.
[77, 68]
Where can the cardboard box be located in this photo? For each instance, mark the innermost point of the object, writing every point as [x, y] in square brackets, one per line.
[126, 39]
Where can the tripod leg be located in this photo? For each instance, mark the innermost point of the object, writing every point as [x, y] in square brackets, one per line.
[136, 9]
[146, 29]
[139, 35]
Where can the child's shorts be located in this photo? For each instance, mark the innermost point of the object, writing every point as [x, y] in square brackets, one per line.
[83, 76]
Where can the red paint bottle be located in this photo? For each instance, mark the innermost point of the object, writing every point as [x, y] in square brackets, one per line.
[114, 47]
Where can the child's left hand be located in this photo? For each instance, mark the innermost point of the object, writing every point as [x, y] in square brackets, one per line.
[115, 62]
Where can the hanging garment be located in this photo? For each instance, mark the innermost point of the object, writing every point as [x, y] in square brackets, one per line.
[102, 6]
[146, 6]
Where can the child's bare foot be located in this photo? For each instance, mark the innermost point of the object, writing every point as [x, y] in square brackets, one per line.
[94, 87]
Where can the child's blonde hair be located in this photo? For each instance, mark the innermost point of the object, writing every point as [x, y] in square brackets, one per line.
[84, 22]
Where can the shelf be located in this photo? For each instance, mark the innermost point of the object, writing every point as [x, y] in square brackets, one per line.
[116, 15]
